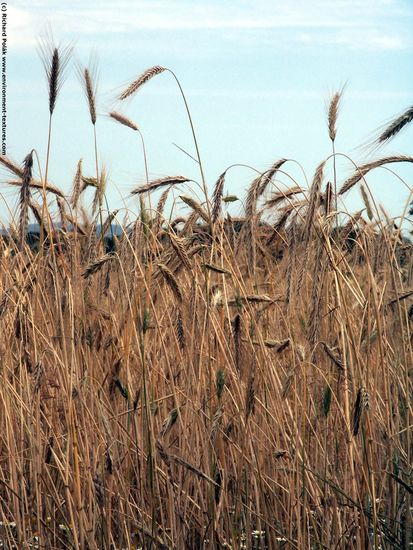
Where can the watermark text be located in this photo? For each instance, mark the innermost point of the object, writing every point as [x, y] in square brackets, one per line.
[3, 12]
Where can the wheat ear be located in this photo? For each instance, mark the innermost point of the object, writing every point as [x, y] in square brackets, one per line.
[76, 186]
[333, 114]
[124, 120]
[395, 126]
[365, 168]
[269, 174]
[160, 182]
[55, 60]
[217, 197]
[25, 197]
[141, 80]
[12, 166]
[97, 265]
[282, 195]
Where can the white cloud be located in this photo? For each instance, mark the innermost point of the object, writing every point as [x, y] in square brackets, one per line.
[20, 28]
[353, 23]
[365, 39]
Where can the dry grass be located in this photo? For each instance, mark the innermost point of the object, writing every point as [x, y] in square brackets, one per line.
[169, 393]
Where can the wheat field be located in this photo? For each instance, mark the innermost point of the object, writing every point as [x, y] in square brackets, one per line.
[204, 381]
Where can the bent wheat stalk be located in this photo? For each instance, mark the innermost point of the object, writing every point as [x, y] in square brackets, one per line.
[125, 121]
[138, 83]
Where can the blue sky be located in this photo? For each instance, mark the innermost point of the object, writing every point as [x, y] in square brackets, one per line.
[257, 75]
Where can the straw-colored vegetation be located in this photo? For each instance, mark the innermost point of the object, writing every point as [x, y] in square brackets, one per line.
[204, 382]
